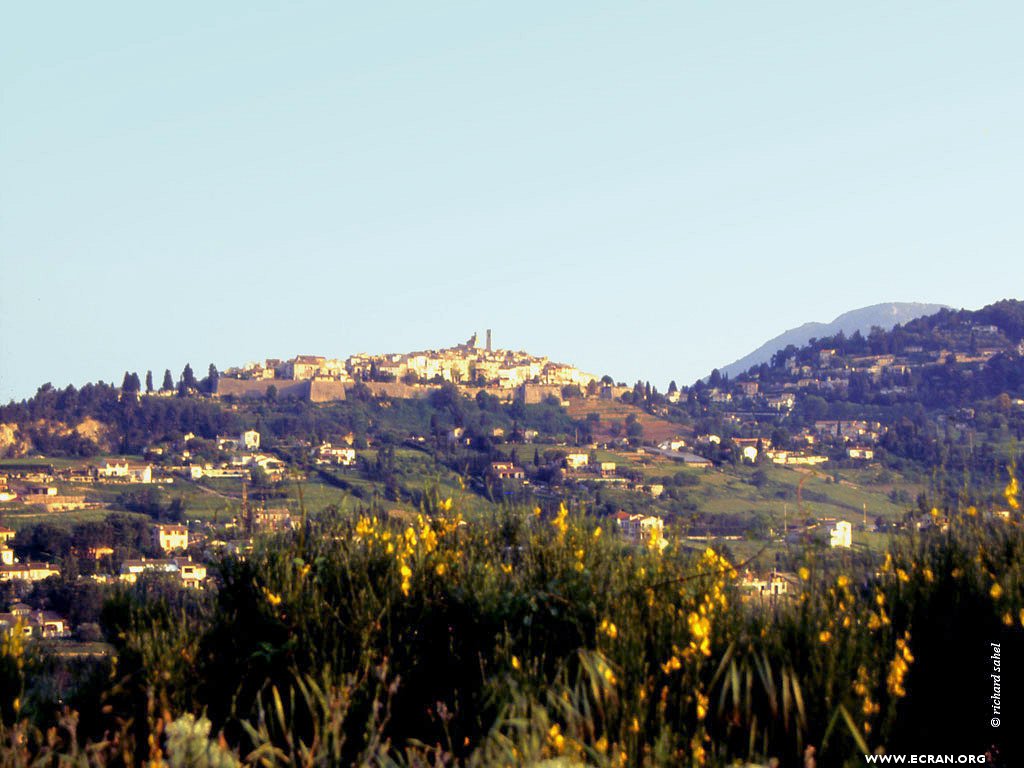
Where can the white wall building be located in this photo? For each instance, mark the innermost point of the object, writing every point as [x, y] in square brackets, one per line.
[841, 534]
[577, 460]
[170, 537]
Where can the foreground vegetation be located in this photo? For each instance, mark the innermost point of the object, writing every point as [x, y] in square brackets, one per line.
[533, 637]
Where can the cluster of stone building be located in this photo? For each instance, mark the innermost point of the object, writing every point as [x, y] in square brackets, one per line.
[471, 363]
[856, 438]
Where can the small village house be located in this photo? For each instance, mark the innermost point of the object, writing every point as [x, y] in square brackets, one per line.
[121, 469]
[191, 574]
[274, 519]
[28, 571]
[695, 461]
[249, 440]
[641, 529]
[841, 534]
[863, 454]
[577, 460]
[506, 470]
[330, 454]
[45, 624]
[170, 538]
[772, 586]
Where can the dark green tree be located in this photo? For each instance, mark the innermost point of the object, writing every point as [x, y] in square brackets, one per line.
[131, 382]
[168, 384]
[188, 378]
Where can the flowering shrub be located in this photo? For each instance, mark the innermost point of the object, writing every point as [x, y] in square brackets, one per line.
[430, 640]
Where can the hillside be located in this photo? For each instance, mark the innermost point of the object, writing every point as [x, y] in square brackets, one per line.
[883, 316]
[952, 359]
[609, 415]
[877, 413]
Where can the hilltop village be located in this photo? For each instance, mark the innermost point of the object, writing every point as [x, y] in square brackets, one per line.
[475, 365]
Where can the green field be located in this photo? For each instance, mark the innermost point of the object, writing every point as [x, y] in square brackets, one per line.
[767, 492]
[732, 489]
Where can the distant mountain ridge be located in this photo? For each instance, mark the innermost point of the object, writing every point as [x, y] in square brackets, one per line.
[885, 316]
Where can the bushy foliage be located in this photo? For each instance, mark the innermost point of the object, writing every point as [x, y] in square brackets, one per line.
[133, 422]
[428, 641]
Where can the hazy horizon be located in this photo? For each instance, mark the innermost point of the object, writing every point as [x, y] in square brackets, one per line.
[200, 367]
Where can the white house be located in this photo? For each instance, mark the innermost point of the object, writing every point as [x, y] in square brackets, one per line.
[506, 470]
[247, 441]
[865, 454]
[841, 534]
[577, 460]
[170, 537]
[120, 469]
[113, 468]
[342, 455]
[197, 472]
[642, 528]
[795, 457]
[191, 574]
[250, 440]
[771, 586]
[28, 571]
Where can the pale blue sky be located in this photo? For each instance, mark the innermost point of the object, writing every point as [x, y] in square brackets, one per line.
[643, 189]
